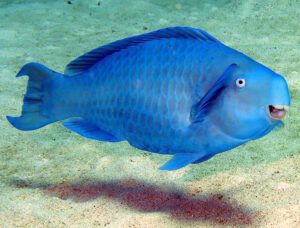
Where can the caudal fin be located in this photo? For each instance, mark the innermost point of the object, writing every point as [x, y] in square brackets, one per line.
[37, 103]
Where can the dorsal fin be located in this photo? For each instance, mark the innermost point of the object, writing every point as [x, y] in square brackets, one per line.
[90, 58]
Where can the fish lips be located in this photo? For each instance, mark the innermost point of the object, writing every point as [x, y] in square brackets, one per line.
[277, 112]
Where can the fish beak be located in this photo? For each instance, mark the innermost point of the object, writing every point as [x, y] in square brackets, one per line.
[277, 112]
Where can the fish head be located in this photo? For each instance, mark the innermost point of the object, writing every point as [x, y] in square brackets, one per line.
[254, 102]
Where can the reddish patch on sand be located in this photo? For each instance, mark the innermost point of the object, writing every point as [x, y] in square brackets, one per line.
[150, 198]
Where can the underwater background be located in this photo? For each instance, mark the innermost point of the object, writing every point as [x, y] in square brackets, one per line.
[55, 178]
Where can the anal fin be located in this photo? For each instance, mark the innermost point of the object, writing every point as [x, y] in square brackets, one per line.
[89, 130]
[180, 160]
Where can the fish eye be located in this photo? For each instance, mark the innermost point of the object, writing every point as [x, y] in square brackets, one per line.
[240, 82]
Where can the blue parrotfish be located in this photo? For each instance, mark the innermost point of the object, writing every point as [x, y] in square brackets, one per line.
[177, 91]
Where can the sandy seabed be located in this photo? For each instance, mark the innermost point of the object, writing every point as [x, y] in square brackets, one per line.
[54, 178]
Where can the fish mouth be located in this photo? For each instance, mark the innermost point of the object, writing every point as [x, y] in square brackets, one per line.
[277, 112]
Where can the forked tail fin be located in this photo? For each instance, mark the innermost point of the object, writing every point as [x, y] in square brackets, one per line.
[38, 101]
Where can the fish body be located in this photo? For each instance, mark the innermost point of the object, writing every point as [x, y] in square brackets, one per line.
[173, 91]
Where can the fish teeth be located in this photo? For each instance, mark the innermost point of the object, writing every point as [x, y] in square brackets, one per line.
[278, 106]
[285, 107]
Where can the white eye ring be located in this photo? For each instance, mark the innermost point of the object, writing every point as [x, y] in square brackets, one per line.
[240, 82]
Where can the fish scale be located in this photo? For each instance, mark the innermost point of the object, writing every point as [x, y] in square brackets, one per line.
[146, 97]
[173, 91]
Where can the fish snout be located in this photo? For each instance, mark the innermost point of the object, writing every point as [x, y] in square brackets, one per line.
[280, 98]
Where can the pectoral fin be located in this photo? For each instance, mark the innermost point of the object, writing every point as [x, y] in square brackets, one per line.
[200, 110]
[180, 160]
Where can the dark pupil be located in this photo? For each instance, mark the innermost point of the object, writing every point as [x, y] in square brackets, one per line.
[241, 82]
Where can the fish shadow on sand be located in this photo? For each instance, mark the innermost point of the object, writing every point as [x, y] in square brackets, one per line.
[145, 197]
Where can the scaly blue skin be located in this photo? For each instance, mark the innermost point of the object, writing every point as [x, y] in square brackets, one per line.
[145, 94]
[147, 100]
